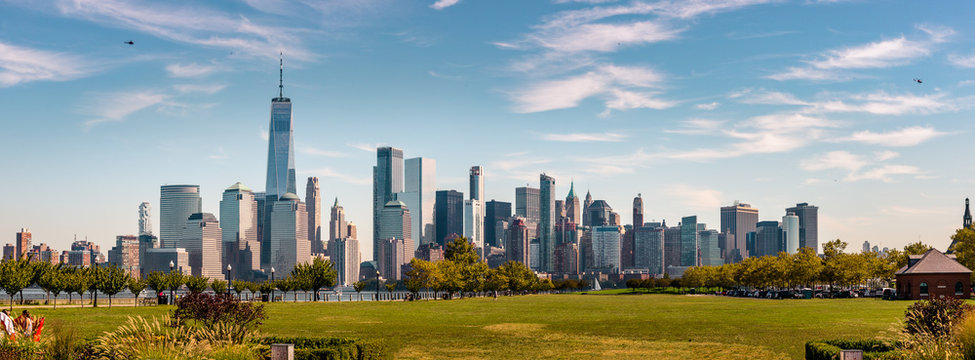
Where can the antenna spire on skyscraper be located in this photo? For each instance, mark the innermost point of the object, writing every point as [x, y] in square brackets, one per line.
[281, 75]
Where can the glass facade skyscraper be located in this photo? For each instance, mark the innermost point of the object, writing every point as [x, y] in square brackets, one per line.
[546, 224]
[688, 241]
[281, 148]
[387, 180]
[176, 204]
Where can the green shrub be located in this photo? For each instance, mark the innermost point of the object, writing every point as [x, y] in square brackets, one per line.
[934, 318]
[830, 349]
[308, 348]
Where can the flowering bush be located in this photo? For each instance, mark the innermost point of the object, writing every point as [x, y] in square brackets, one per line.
[221, 317]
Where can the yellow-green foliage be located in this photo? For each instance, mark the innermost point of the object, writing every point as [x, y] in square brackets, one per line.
[965, 337]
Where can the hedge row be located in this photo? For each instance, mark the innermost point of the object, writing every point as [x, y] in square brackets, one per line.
[310, 348]
[830, 349]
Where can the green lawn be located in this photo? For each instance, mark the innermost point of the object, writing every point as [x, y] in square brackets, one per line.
[560, 326]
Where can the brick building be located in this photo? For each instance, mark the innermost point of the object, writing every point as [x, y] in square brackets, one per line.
[933, 275]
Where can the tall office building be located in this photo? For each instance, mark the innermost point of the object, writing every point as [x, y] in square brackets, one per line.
[599, 213]
[397, 224]
[449, 214]
[421, 180]
[391, 258]
[238, 222]
[352, 233]
[559, 211]
[567, 258]
[338, 228]
[710, 253]
[202, 241]
[23, 242]
[289, 234]
[313, 204]
[145, 218]
[790, 233]
[518, 245]
[546, 225]
[125, 254]
[474, 223]
[572, 210]
[477, 183]
[638, 211]
[808, 225]
[526, 204]
[281, 145]
[387, 180]
[344, 255]
[648, 249]
[738, 220]
[672, 246]
[176, 204]
[606, 248]
[495, 213]
[585, 209]
[688, 241]
[768, 237]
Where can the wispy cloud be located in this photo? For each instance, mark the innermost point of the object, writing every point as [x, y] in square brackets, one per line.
[366, 147]
[190, 24]
[324, 153]
[219, 155]
[620, 87]
[584, 137]
[881, 54]
[909, 136]
[118, 106]
[264, 134]
[21, 65]
[189, 70]
[965, 61]
[443, 4]
[445, 77]
[694, 198]
[341, 176]
[877, 103]
[199, 88]
[708, 106]
[698, 127]
[860, 167]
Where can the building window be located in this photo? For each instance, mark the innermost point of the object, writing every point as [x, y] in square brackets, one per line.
[959, 288]
[924, 289]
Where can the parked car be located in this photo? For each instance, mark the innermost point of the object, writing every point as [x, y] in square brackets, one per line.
[889, 294]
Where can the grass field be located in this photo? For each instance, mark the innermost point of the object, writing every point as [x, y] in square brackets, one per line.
[560, 326]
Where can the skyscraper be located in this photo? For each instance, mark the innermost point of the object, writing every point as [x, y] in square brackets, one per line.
[790, 233]
[526, 203]
[387, 180]
[585, 209]
[201, 239]
[289, 234]
[606, 248]
[344, 254]
[710, 253]
[396, 246]
[474, 223]
[599, 213]
[572, 209]
[313, 204]
[808, 225]
[672, 246]
[517, 246]
[338, 228]
[648, 249]
[421, 179]
[546, 224]
[23, 242]
[737, 219]
[477, 183]
[176, 204]
[281, 145]
[449, 214]
[145, 218]
[768, 237]
[688, 241]
[238, 222]
[638, 211]
[125, 254]
[494, 212]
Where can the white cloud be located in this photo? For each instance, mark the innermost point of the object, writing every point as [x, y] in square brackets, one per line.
[197, 88]
[605, 37]
[834, 160]
[859, 167]
[709, 106]
[219, 155]
[698, 127]
[884, 173]
[442, 4]
[117, 106]
[189, 70]
[694, 198]
[965, 61]
[341, 176]
[190, 24]
[445, 77]
[909, 136]
[612, 83]
[582, 137]
[264, 134]
[367, 147]
[881, 54]
[885, 155]
[877, 103]
[21, 65]
[322, 152]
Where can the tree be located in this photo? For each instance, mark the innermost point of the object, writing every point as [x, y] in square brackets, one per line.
[38, 269]
[315, 275]
[359, 286]
[174, 281]
[963, 246]
[136, 286]
[156, 280]
[14, 277]
[111, 280]
[496, 280]
[196, 284]
[52, 281]
[806, 267]
[286, 285]
[219, 286]
[390, 287]
[238, 286]
[266, 288]
[94, 273]
[461, 250]
[253, 287]
[418, 276]
[79, 283]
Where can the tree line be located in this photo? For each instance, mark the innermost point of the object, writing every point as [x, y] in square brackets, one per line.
[17, 275]
[806, 269]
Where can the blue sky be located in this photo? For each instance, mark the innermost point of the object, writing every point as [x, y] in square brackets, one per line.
[694, 104]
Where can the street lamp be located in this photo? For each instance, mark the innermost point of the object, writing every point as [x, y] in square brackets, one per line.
[377, 285]
[272, 284]
[229, 281]
[171, 266]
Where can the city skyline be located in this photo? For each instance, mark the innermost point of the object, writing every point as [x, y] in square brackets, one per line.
[810, 122]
